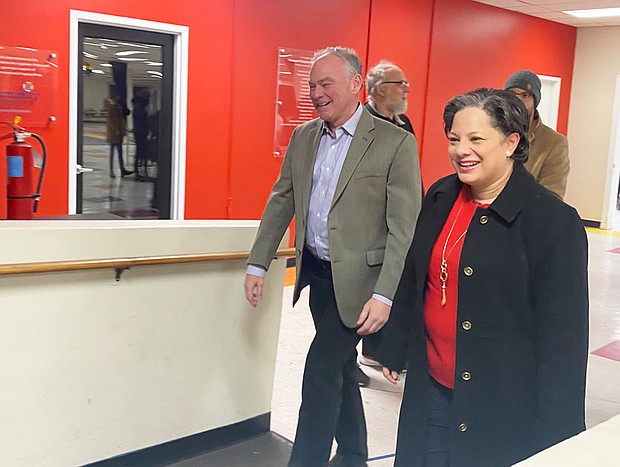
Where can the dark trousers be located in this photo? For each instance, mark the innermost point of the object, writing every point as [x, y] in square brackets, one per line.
[119, 150]
[331, 403]
[438, 426]
[370, 344]
[141, 152]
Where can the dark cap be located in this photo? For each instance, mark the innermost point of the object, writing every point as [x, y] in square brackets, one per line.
[526, 80]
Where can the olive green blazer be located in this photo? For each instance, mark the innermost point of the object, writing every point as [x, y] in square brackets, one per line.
[372, 217]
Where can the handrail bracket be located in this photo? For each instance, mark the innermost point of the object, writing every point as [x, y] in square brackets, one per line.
[119, 272]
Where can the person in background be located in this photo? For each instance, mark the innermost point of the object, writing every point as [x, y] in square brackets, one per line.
[140, 114]
[353, 184]
[492, 303]
[548, 158]
[116, 129]
[387, 89]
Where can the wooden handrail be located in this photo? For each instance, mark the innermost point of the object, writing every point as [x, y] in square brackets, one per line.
[125, 263]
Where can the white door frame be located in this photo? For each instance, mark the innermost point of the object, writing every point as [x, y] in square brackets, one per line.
[550, 100]
[179, 104]
[613, 164]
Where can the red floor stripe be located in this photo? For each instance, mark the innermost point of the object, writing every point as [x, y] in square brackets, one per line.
[610, 351]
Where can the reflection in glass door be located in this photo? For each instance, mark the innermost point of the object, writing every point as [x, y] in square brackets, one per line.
[125, 123]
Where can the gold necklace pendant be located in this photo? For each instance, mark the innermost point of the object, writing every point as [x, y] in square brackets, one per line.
[443, 274]
[443, 277]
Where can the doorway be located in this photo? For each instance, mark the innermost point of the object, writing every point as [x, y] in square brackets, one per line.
[127, 121]
[124, 122]
[550, 100]
[612, 209]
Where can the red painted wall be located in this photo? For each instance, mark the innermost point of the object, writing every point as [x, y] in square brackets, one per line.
[444, 46]
[400, 31]
[259, 29]
[475, 45]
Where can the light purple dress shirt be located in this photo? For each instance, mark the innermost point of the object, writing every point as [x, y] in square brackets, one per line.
[330, 158]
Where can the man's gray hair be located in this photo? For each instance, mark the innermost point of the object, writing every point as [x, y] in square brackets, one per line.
[376, 75]
[347, 55]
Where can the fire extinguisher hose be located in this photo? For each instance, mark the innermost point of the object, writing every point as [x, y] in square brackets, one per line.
[37, 194]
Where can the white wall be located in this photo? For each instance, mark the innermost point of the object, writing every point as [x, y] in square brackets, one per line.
[95, 92]
[597, 62]
[92, 368]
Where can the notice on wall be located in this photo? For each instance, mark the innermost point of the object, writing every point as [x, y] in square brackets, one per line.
[293, 104]
[28, 85]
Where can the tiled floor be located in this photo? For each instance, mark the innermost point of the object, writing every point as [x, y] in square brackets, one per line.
[382, 400]
[124, 197]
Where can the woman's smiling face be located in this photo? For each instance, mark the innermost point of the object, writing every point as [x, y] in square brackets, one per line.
[478, 151]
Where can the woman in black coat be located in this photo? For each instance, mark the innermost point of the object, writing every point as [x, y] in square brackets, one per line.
[492, 308]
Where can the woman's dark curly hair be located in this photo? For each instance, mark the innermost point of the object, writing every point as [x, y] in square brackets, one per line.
[507, 113]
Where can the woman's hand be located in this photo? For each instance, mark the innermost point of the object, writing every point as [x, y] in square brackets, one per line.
[392, 376]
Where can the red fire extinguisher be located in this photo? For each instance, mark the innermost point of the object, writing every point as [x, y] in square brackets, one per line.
[22, 196]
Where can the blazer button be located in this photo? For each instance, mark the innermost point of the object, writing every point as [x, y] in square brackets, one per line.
[468, 271]
[484, 219]
[466, 375]
[463, 427]
[466, 325]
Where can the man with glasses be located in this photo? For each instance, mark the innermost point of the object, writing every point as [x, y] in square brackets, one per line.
[548, 157]
[387, 90]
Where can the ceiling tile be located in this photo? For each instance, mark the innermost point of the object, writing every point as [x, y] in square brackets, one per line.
[552, 10]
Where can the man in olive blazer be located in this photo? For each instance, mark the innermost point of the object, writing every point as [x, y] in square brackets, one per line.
[369, 225]
[372, 216]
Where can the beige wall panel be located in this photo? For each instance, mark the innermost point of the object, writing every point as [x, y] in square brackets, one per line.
[93, 368]
[597, 63]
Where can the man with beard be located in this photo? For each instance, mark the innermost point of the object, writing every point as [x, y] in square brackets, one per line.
[548, 158]
[387, 89]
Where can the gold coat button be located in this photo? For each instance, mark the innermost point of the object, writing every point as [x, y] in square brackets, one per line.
[484, 219]
[468, 271]
[463, 427]
[466, 325]
[466, 375]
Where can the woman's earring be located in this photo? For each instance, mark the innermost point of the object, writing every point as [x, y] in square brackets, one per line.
[508, 154]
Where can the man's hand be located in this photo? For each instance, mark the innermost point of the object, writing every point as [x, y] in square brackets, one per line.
[374, 315]
[253, 286]
[391, 376]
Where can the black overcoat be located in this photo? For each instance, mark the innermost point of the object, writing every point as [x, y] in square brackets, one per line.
[522, 327]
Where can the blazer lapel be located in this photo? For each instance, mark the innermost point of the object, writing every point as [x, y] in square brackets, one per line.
[307, 169]
[359, 145]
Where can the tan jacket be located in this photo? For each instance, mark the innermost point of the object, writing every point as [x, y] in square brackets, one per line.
[548, 157]
[373, 213]
[116, 125]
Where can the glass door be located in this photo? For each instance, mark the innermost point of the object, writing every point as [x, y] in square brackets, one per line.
[124, 123]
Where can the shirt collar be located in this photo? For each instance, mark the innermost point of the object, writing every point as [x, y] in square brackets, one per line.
[351, 124]
[509, 202]
[397, 119]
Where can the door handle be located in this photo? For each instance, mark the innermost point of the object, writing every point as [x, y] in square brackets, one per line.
[80, 170]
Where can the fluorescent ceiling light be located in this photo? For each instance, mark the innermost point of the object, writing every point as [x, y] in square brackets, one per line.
[98, 72]
[130, 59]
[105, 64]
[138, 46]
[154, 63]
[596, 13]
[129, 52]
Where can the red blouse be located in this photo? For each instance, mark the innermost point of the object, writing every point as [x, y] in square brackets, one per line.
[440, 320]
